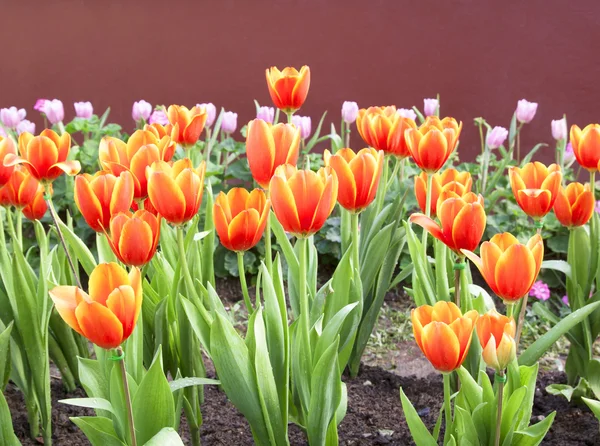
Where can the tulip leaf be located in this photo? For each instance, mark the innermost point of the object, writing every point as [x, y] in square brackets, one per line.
[418, 431]
[93, 378]
[82, 252]
[98, 430]
[533, 435]
[181, 383]
[7, 434]
[201, 235]
[5, 363]
[557, 265]
[90, 403]
[166, 437]
[532, 152]
[594, 406]
[509, 414]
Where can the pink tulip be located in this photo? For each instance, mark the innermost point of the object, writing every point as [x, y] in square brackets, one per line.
[229, 122]
[26, 126]
[304, 124]
[349, 111]
[526, 111]
[407, 113]
[266, 114]
[11, 117]
[430, 106]
[158, 117]
[559, 129]
[496, 137]
[211, 112]
[141, 110]
[84, 110]
[54, 111]
[39, 105]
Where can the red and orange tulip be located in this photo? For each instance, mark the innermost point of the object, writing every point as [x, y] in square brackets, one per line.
[383, 129]
[36, 209]
[443, 334]
[509, 267]
[186, 125]
[535, 187]
[462, 221]
[160, 131]
[358, 175]
[108, 314]
[450, 180]
[433, 142]
[45, 156]
[586, 146]
[574, 205]
[103, 195]
[176, 191]
[303, 199]
[240, 217]
[6, 147]
[496, 335]
[288, 88]
[21, 188]
[268, 147]
[134, 237]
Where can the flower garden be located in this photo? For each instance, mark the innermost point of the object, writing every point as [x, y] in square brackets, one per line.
[177, 285]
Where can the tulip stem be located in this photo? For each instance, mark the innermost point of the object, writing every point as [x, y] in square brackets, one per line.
[268, 253]
[120, 354]
[355, 242]
[20, 229]
[500, 379]
[402, 163]
[242, 272]
[183, 259]
[56, 220]
[447, 406]
[458, 267]
[393, 176]
[302, 296]
[521, 320]
[347, 136]
[208, 141]
[427, 212]
[289, 116]
[593, 184]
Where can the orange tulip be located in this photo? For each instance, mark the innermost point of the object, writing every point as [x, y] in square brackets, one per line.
[496, 335]
[108, 314]
[21, 188]
[134, 237]
[535, 187]
[160, 132]
[6, 147]
[443, 334]
[103, 195]
[450, 179]
[4, 199]
[186, 125]
[358, 175]
[586, 146]
[288, 88]
[509, 267]
[268, 147]
[433, 142]
[462, 222]
[37, 208]
[383, 129]
[176, 191]
[574, 205]
[303, 199]
[45, 156]
[240, 217]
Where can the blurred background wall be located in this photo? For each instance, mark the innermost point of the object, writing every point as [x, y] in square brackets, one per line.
[480, 56]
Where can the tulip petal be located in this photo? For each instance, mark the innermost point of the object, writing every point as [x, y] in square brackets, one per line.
[468, 227]
[166, 196]
[284, 205]
[88, 203]
[104, 279]
[66, 299]
[515, 272]
[122, 303]
[136, 242]
[347, 191]
[260, 151]
[428, 224]
[242, 229]
[440, 346]
[99, 324]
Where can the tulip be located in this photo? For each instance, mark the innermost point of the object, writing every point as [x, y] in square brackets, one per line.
[229, 122]
[4, 198]
[431, 107]
[288, 88]
[166, 147]
[526, 111]
[2, 133]
[141, 110]
[267, 114]
[26, 126]
[383, 129]
[303, 123]
[349, 112]
[45, 156]
[535, 187]
[407, 113]
[134, 237]
[103, 195]
[176, 191]
[6, 147]
[449, 179]
[358, 175]
[586, 146]
[158, 117]
[496, 137]
[240, 218]
[187, 123]
[303, 199]
[39, 105]
[11, 117]
[496, 335]
[211, 112]
[37, 208]
[84, 110]
[21, 188]
[108, 314]
[509, 267]
[54, 111]
[462, 222]
[574, 205]
[569, 155]
[559, 129]
[268, 147]
[540, 291]
[433, 142]
[443, 334]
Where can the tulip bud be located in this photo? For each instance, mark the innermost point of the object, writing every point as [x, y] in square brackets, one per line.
[565, 300]
[11, 117]
[496, 137]
[303, 123]
[54, 111]
[267, 114]
[540, 291]
[211, 112]
[26, 126]
[496, 335]
[569, 154]
[430, 106]
[84, 110]
[349, 112]
[597, 206]
[289, 87]
[229, 122]
[526, 111]
[158, 117]
[407, 113]
[39, 105]
[559, 129]
[141, 110]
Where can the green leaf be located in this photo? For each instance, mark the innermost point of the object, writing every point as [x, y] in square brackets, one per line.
[559, 243]
[82, 252]
[594, 406]
[560, 389]
[419, 432]
[557, 265]
[188, 382]
[509, 414]
[593, 376]
[7, 435]
[472, 391]
[94, 380]
[533, 435]
[5, 356]
[464, 427]
[166, 437]
[98, 430]
[91, 403]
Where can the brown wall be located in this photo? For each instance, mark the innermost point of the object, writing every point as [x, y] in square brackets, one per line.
[481, 56]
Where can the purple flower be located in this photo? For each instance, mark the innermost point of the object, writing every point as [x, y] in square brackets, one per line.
[211, 112]
[3, 133]
[430, 106]
[229, 122]
[559, 129]
[266, 114]
[39, 105]
[303, 123]
[349, 111]
[565, 300]
[407, 113]
[11, 117]
[84, 110]
[26, 126]
[496, 137]
[597, 207]
[569, 155]
[141, 110]
[54, 111]
[526, 111]
[540, 291]
[158, 117]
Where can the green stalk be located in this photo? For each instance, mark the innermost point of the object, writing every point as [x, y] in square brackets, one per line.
[458, 267]
[242, 272]
[521, 321]
[61, 362]
[302, 294]
[381, 192]
[268, 250]
[427, 212]
[20, 229]
[208, 143]
[355, 242]
[394, 174]
[187, 277]
[289, 116]
[119, 352]
[500, 379]
[447, 406]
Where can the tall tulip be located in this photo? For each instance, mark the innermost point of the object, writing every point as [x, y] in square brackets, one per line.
[36, 209]
[383, 129]
[586, 145]
[289, 87]
[574, 205]
[21, 188]
[496, 334]
[535, 187]
[134, 237]
[6, 147]
[187, 124]
[108, 314]
[433, 142]
[449, 179]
